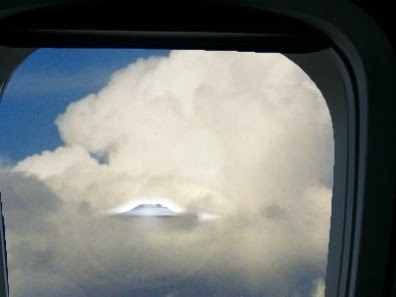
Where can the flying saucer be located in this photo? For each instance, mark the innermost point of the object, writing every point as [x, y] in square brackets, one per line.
[146, 211]
[150, 210]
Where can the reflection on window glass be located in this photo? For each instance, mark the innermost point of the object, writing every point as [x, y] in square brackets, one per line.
[165, 173]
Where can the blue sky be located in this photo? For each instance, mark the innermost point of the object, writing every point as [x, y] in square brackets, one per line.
[44, 85]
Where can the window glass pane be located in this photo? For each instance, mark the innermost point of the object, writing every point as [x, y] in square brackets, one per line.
[165, 173]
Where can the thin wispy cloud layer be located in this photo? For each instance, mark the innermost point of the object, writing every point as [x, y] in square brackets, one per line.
[245, 136]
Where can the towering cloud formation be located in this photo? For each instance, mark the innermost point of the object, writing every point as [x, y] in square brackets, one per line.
[246, 136]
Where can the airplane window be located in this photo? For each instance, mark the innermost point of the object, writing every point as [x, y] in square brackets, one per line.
[165, 173]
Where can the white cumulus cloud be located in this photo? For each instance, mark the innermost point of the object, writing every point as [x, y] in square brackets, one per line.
[243, 135]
